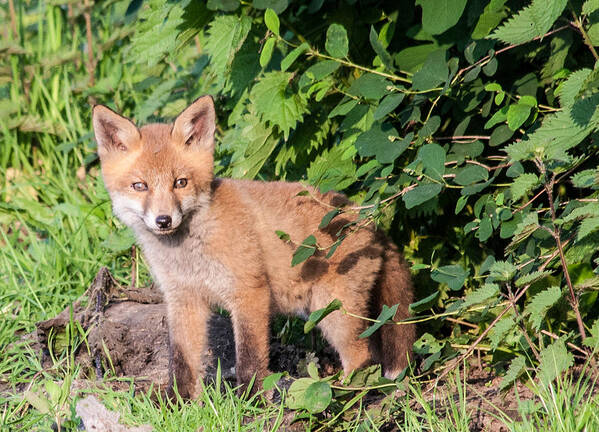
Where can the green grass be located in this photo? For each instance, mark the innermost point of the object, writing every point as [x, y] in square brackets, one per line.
[57, 230]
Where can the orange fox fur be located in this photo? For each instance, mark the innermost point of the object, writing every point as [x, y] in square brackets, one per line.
[212, 241]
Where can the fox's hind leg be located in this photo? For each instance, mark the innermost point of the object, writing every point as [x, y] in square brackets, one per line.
[342, 332]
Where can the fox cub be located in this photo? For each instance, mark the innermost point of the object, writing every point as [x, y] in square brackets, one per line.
[212, 241]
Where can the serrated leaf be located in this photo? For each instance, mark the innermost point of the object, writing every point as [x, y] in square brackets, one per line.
[568, 90]
[592, 340]
[523, 184]
[440, 15]
[514, 371]
[481, 295]
[585, 179]
[500, 331]
[587, 226]
[226, 34]
[502, 270]
[453, 275]
[275, 103]
[555, 359]
[272, 21]
[336, 43]
[531, 278]
[538, 306]
[304, 251]
[387, 313]
[532, 21]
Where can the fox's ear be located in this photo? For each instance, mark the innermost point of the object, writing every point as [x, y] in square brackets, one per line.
[196, 124]
[113, 131]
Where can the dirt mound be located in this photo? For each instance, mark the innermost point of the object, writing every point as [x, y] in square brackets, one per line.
[128, 336]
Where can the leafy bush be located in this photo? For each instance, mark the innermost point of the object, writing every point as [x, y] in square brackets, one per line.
[464, 128]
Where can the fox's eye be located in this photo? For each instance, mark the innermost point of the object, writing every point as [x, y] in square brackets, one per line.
[140, 186]
[181, 183]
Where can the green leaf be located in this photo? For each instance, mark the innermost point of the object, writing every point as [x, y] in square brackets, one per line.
[568, 90]
[517, 114]
[523, 184]
[305, 250]
[272, 21]
[387, 105]
[296, 395]
[434, 71]
[267, 50]
[293, 55]
[278, 6]
[514, 371]
[425, 303]
[538, 306]
[119, 241]
[421, 194]
[502, 270]
[555, 359]
[225, 37]
[327, 218]
[492, 15]
[587, 226]
[276, 103]
[376, 142]
[440, 15]
[380, 51]
[283, 235]
[369, 86]
[453, 275]
[271, 380]
[387, 313]
[432, 157]
[481, 295]
[318, 315]
[532, 21]
[318, 396]
[336, 43]
[500, 331]
[531, 278]
[471, 174]
[585, 179]
[318, 71]
[430, 127]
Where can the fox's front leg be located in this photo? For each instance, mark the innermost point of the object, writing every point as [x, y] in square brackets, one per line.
[187, 321]
[251, 326]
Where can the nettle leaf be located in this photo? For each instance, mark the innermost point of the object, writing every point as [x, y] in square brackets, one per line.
[569, 89]
[440, 15]
[531, 278]
[336, 43]
[585, 179]
[514, 371]
[532, 21]
[453, 275]
[587, 226]
[502, 270]
[523, 184]
[501, 330]
[387, 313]
[304, 251]
[555, 359]
[226, 35]
[421, 194]
[276, 103]
[538, 306]
[481, 295]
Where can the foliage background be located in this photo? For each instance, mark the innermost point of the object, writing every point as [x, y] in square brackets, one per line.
[465, 128]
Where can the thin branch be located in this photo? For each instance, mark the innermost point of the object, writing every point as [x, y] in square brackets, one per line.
[463, 137]
[90, 49]
[585, 36]
[571, 345]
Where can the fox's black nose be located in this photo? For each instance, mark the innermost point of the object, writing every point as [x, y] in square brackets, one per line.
[164, 221]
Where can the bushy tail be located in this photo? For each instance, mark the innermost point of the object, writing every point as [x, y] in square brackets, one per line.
[394, 286]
